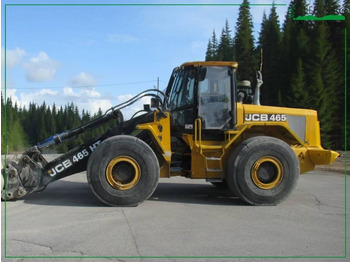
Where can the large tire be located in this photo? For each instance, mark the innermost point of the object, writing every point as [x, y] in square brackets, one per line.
[123, 171]
[262, 170]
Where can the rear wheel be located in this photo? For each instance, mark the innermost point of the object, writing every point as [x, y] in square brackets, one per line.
[123, 171]
[262, 170]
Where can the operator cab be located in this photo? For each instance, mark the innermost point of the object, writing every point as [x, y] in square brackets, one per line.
[202, 90]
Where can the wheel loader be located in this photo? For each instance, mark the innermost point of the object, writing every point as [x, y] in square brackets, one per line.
[205, 125]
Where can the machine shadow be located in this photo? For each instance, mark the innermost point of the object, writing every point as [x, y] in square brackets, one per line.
[65, 193]
[204, 194]
[69, 193]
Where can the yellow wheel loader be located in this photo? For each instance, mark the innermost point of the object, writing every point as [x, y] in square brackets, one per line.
[206, 125]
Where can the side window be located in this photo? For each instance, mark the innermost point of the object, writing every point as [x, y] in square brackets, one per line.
[182, 92]
[175, 90]
[185, 96]
[214, 97]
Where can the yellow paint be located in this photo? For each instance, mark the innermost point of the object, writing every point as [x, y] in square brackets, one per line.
[210, 63]
[160, 130]
[305, 162]
[309, 150]
[112, 176]
[205, 154]
[277, 176]
[165, 170]
[312, 127]
[320, 156]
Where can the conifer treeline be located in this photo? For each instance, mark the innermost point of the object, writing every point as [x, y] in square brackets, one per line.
[26, 127]
[303, 61]
[303, 66]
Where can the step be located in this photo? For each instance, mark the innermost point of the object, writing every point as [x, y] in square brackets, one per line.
[213, 170]
[212, 147]
[213, 158]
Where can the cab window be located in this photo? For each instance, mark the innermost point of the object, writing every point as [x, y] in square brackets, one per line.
[214, 97]
[182, 91]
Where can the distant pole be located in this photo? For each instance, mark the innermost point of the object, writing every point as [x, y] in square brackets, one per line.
[158, 82]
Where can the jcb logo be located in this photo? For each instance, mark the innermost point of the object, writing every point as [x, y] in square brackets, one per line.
[60, 167]
[265, 117]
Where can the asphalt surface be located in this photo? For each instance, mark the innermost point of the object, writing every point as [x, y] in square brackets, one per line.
[183, 218]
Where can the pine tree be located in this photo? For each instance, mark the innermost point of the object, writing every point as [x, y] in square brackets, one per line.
[331, 7]
[337, 39]
[16, 138]
[325, 76]
[212, 49]
[209, 53]
[42, 128]
[263, 31]
[295, 46]
[319, 9]
[346, 53]
[225, 48]
[244, 44]
[298, 86]
[3, 125]
[270, 42]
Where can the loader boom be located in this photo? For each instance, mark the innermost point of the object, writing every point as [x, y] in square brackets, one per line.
[33, 173]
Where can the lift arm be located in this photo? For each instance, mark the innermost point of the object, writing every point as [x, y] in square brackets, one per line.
[31, 172]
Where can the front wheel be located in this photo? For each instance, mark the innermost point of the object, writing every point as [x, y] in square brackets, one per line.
[123, 171]
[262, 170]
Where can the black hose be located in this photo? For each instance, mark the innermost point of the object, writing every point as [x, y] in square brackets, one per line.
[137, 97]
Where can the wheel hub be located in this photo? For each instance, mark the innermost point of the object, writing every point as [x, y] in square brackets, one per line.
[267, 172]
[123, 173]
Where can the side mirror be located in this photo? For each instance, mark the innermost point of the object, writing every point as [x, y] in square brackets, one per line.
[146, 108]
[154, 103]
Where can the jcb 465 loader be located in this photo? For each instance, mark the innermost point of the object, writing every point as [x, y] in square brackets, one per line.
[205, 126]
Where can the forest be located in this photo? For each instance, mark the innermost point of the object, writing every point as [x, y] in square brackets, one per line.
[302, 62]
[26, 127]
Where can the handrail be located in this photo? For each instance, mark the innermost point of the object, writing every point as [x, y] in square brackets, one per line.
[198, 132]
[198, 128]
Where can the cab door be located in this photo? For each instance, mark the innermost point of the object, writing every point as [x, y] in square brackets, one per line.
[215, 98]
[181, 102]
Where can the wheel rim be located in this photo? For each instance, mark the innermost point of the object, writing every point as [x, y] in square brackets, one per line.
[267, 172]
[123, 173]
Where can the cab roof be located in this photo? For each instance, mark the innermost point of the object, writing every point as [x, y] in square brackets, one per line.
[210, 63]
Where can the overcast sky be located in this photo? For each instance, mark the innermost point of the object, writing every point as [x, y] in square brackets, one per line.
[98, 56]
